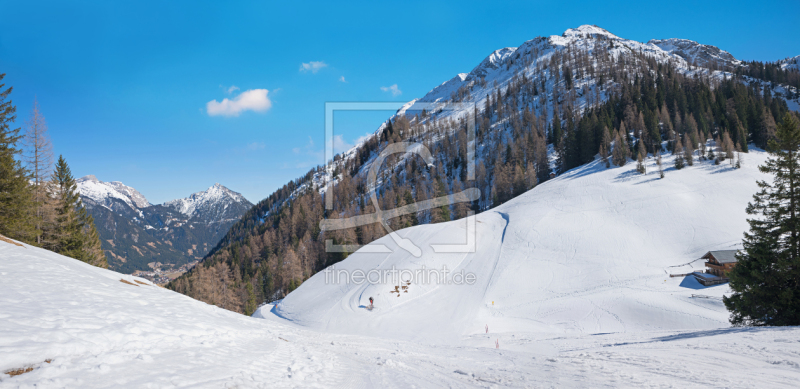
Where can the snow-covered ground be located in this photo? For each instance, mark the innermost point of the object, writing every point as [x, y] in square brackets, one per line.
[571, 279]
[590, 251]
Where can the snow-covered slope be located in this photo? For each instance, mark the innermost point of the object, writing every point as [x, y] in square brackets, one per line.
[791, 63]
[588, 252]
[696, 53]
[76, 326]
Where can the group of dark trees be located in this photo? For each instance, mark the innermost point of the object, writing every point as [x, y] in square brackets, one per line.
[766, 279]
[772, 72]
[579, 102]
[35, 208]
[683, 112]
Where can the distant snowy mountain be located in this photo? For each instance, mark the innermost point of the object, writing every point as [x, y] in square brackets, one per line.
[138, 235]
[214, 204]
[105, 192]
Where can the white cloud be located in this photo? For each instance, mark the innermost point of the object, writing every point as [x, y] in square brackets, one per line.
[342, 79]
[363, 138]
[229, 89]
[395, 91]
[340, 145]
[250, 100]
[313, 66]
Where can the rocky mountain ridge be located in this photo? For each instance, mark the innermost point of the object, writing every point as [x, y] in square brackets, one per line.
[140, 236]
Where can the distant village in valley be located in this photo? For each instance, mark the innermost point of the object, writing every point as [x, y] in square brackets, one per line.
[162, 273]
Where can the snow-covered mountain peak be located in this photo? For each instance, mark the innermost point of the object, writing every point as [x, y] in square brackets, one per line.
[215, 199]
[103, 192]
[496, 58]
[587, 30]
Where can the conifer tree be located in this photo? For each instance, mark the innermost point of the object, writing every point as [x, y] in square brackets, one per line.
[710, 156]
[718, 150]
[688, 150]
[620, 152]
[92, 248]
[679, 155]
[16, 196]
[605, 146]
[39, 160]
[727, 146]
[642, 153]
[70, 231]
[766, 279]
[441, 214]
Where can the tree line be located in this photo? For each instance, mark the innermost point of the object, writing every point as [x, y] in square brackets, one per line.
[39, 202]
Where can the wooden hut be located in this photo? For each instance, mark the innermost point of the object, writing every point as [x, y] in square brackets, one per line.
[719, 262]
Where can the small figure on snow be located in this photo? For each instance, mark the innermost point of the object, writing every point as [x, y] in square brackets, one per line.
[370, 304]
[487, 328]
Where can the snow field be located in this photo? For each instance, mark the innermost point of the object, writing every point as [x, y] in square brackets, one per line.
[575, 305]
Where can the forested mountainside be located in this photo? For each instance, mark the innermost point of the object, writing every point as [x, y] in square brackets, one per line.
[136, 234]
[546, 107]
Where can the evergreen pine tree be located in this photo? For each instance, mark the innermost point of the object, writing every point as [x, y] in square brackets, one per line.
[16, 194]
[605, 146]
[711, 154]
[679, 155]
[93, 253]
[620, 152]
[441, 214]
[765, 281]
[70, 231]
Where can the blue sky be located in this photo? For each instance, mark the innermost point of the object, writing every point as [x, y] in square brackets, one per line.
[125, 86]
